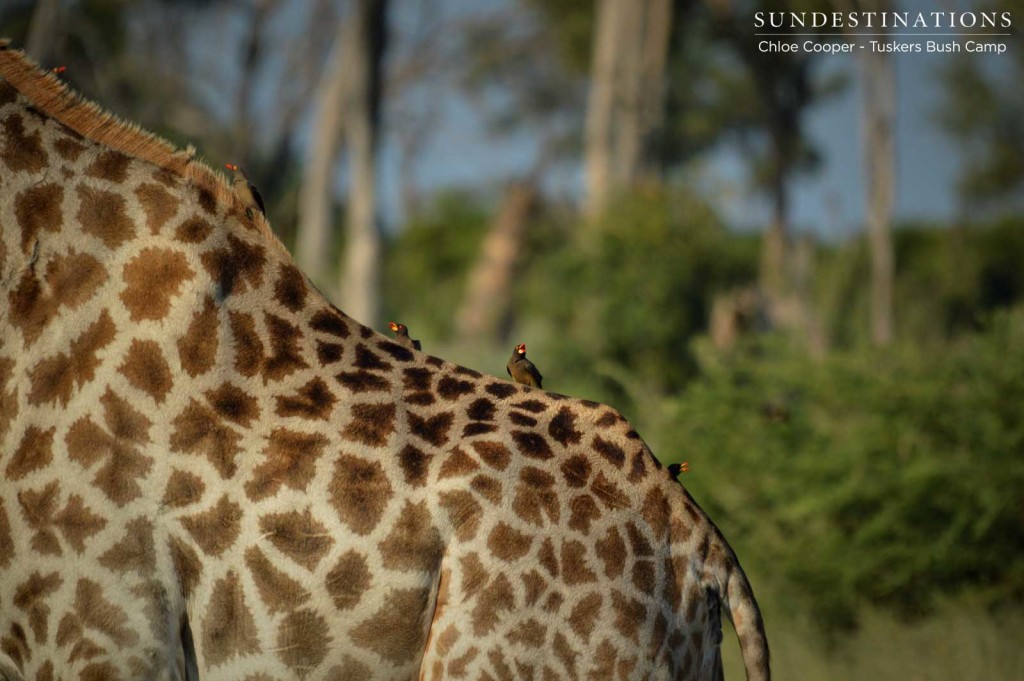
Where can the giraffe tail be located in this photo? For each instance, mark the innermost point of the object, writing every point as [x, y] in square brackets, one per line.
[740, 607]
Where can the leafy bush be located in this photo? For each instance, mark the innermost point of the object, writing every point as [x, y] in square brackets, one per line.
[869, 477]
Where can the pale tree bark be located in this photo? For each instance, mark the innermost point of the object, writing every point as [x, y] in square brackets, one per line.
[316, 197]
[625, 108]
[488, 299]
[360, 269]
[42, 30]
[878, 82]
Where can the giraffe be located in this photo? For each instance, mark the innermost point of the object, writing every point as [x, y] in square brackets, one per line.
[207, 469]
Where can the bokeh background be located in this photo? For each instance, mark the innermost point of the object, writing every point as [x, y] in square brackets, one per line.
[801, 273]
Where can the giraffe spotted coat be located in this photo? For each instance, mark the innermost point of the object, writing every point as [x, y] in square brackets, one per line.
[205, 467]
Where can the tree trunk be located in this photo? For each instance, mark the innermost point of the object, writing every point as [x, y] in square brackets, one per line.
[360, 269]
[657, 37]
[878, 81]
[775, 243]
[316, 196]
[488, 298]
[41, 30]
[598, 157]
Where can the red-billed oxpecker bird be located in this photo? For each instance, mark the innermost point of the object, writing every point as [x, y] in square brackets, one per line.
[674, 469]
[522, 370]
[245, 191]
[402, 334]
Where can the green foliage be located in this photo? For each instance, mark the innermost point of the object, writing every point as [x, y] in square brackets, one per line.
[867, 478]
[623, 299]
[427, 263]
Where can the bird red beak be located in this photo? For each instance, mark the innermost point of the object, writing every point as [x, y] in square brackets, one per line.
[230, 167]
[394, 327]
[522, 348]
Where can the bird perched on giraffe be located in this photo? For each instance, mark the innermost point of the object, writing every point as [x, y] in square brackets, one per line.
[674, 469]
[523, 370]
[245, 191]
[402, 334]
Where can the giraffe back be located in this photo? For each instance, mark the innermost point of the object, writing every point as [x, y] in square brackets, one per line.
[193, 440]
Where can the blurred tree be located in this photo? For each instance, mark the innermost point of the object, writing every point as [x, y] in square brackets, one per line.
[983, 111]
[359, 272]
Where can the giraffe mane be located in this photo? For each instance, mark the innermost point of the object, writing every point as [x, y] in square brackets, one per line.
[57, 100]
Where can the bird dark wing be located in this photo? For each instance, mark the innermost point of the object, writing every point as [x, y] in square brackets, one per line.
[536, 374]
[416, 344]
[259, 199]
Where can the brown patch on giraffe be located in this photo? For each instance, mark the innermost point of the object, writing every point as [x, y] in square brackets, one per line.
[536, 497]
[532, 406]
[6, 539]
[638, 468]
[30, 597]
[609, 493]
[611, 550]
[69, 149]
[488, 487]
[236, 267]
[417, 378]
[234, 404]
[193, 230]
[413, 544]
[35, 451]
[643, 576]
[396, 351]
[492, 601]
[638, 543]
[166, 177]
[530, 634]
[135, 552]
[158, 204]
[482, 409]
[38, 508]
[96, 612]
[360, 491]
[8, 397]
[583, 511]
[15, 645]
[576, 471]
[110, 165]
[216, 529]
[433, 429]
[609, 450]
[206, 200]
[8, 95]
[398, 629]
[74, 278]
[278, 591]
[604, 662]
[629, 615]
[197, 430]
[145, 368]
[330, 321]
[466, 371]
[197, 347]
[22, 152]
[474, 429]
[371, 424]
[302, 641]
[464, 513]
[563, 428]
[152, 279]
[415, 465]
[290, 461]
[36, 209]
[297, 535]
[77, 523]
[452, 389]
[532, 444]
[494, 454]
[547, 558]
[501, 390]
[285, 355]
[104, 215]
[54, 379]
[369, 360]
[187, 565]
[290, 289]
[585, 614]
[566, 655]
[457, 464]
[522, 419]
[610, 418]
[534, 584]
[183, 489]
[657, 511]
[575, 567]
[507, 543]
[30, 307]
[312, 401]
[228, 627]
[457, 667]
[363, 381]
[348, 580]
[247, 344]
[422, 399]
[329, 353]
